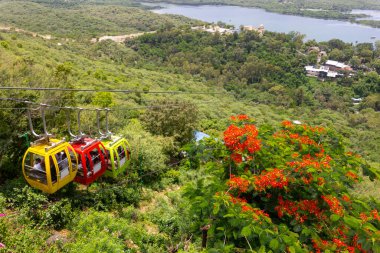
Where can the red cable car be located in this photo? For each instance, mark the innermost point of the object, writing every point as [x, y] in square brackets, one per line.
[92, 161]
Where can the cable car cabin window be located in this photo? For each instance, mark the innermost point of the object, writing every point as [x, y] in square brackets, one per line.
[96, 160]
[63, 164]
[80, 166]
[83, 167]
[111, 159]
[122, 155]
[53, 170]
[73, 159]
[35, 168]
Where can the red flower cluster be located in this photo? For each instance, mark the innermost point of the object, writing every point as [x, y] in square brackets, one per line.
[340, 246]
[296, 138]
[238, 183]
[308, 179]
[308, 161]
[352, 175]
[241, 139]
[357, 245]
[346, 198]
[301, 210]
[287, 123]
[334, 204]
[235, 200]
[237, 158]
[256, 213]
[319, 245]
[364, 217]
[375, 214]
[272, 179]
[317, 129]
[240, 117]
[245, 208]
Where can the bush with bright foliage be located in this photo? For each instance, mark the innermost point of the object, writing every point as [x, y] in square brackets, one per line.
[285, 190]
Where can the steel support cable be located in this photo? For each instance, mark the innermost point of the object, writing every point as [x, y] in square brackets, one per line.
[106, 90]
[95, 109]
[91, 109]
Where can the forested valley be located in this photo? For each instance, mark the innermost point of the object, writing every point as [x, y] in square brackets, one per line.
[291, 162]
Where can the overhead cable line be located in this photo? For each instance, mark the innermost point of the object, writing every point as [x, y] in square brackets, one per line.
[106, 90]
[13, 108]
[87, 109]
[94, 109]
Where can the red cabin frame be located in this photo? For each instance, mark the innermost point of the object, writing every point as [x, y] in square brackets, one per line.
[92, 161]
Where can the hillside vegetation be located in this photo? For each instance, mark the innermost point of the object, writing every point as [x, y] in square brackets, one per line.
[241, 194]
[82, 20]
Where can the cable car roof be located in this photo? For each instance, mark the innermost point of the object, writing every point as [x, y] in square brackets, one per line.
[85, 143]
[108, 143]
[44, 148]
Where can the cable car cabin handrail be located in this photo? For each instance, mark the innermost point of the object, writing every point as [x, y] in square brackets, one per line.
[43, 140]
[88, 144]
[115, 141]
[105, 136]
[79, 138]
[55, 144]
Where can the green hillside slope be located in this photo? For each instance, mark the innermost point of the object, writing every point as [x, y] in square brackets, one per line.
[84, 20]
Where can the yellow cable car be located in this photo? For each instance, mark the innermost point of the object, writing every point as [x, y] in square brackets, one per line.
[49, 166]
[118, 152]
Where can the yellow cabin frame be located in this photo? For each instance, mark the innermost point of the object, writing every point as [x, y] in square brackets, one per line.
[55, 178]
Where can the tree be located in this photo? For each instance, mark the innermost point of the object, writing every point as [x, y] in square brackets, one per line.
[372, 101]
[376, 65]
[253, 70]
[337, 55]
[284, 190]
[102, 99]
[175, 118]
[336, 43]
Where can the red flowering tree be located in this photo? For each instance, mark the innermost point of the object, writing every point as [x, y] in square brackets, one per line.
[285, 190]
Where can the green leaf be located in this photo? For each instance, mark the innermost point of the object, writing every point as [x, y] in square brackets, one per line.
[274, 244]
[306, 231]
[246, 231]
[369, 226]
[334, 217]
[216, 208]
[262, 249]
[292, 249]
[352, 222]
[287, 239]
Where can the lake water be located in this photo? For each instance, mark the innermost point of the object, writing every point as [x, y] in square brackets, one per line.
[318, 29]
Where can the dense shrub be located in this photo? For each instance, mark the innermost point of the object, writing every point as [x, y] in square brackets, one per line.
[102, 232]
[148, 157]
[173, 118]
